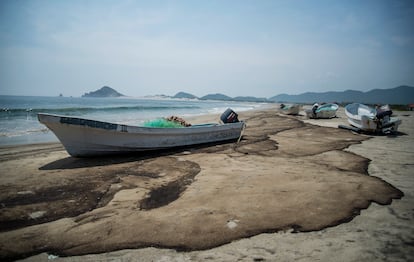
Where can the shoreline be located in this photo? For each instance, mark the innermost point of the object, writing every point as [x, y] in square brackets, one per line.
[47, 136]
[361, 237]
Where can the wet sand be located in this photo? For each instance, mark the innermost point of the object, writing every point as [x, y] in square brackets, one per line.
[292, 189]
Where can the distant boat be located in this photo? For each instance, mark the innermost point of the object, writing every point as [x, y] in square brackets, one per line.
[292, 109]
[323, 111]
[370, 119]
[83, 137]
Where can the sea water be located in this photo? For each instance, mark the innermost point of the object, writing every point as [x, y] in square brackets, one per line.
[19, 123]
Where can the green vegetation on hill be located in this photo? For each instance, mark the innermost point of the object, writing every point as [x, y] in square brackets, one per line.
[216, 97]
[105, 91]
[401, 95]
[397, 95]
[185, 95]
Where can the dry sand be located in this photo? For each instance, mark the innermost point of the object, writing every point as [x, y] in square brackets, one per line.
[292, 189]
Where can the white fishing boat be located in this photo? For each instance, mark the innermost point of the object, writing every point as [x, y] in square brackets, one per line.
[83, 137]
[322, 111]
[289, 109]
[370, 119]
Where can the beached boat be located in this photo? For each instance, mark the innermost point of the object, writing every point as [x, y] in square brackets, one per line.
[370, 119]
[322, 111]
[83, 137]
[289, 109]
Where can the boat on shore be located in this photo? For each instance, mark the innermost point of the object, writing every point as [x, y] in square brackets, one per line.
[289, 109]
[369, 119]
[84, 137]
[325, 111]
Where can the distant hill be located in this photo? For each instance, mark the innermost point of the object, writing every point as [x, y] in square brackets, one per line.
[397, 95]
[105, 91]
[185, 95]
[216, 97]
[221, 97]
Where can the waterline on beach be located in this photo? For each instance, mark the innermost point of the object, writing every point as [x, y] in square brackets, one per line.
[19, 124]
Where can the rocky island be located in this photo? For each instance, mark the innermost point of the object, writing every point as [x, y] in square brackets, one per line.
[105, 91]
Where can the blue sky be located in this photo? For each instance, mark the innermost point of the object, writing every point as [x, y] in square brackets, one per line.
[248, 48]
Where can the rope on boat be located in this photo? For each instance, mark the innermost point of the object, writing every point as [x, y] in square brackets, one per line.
[241, 133]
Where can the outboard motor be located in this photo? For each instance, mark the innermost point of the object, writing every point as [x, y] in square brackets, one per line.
[383, 111]
[382, 114]
[229, 116]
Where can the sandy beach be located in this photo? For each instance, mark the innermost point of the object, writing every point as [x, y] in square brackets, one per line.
[293, 189]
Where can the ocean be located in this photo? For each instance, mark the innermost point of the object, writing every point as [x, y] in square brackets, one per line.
[19, 124]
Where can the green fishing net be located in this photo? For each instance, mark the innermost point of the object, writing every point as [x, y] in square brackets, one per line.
[163, 123]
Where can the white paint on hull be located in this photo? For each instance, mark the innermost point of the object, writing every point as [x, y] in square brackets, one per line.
[83, 137]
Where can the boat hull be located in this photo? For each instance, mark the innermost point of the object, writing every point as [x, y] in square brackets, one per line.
[290, 110]
[84, 137]
[324, 111]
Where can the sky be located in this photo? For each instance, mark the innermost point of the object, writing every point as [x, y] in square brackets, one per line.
[237, 48]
